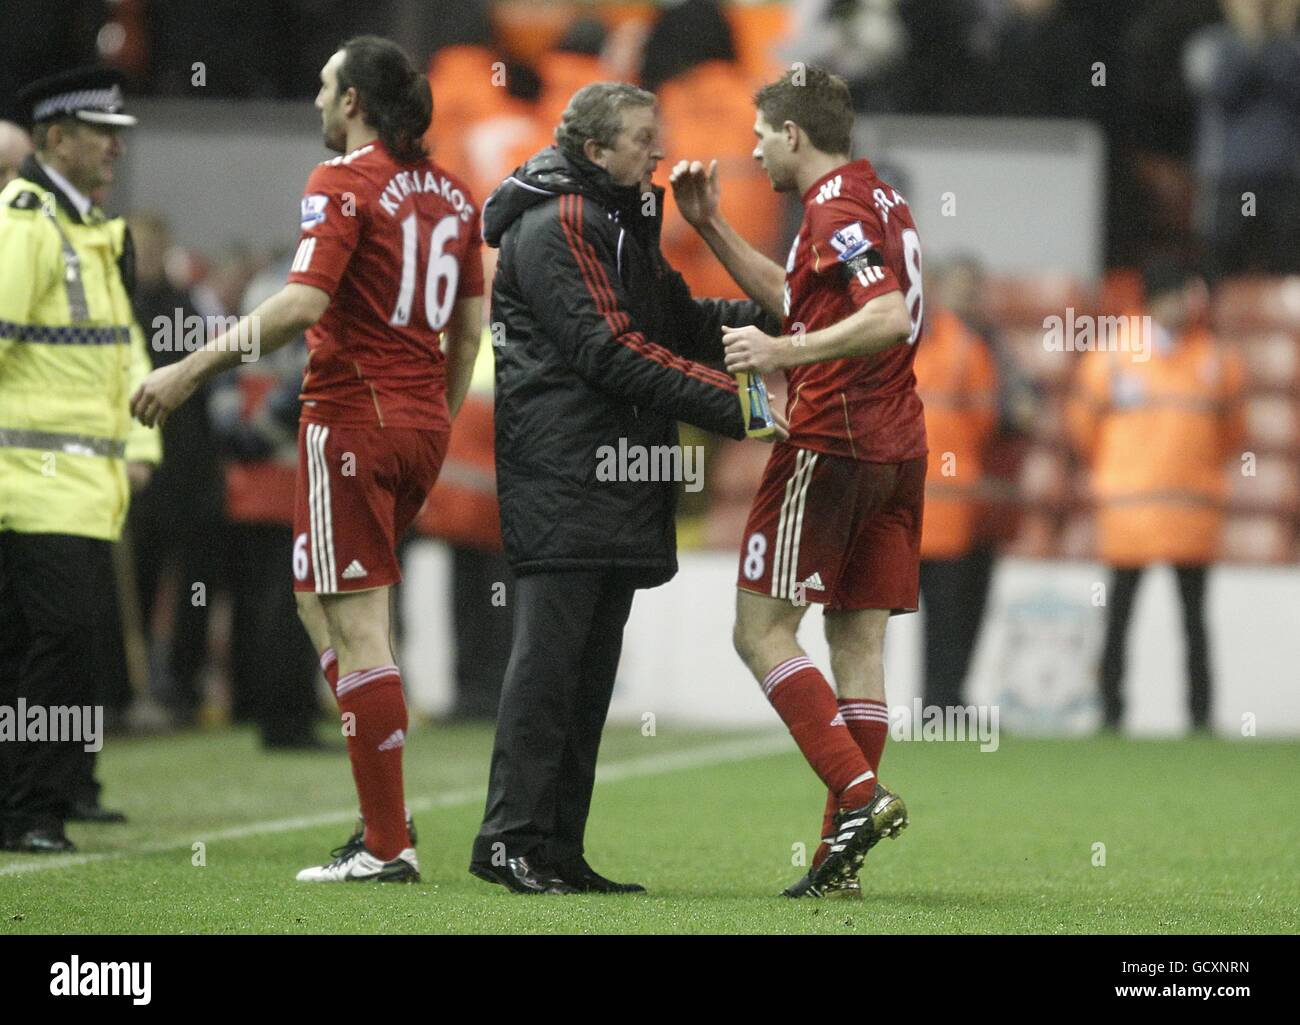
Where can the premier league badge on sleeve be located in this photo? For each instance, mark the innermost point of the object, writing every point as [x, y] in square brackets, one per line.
[855, 251]
[849, 241]
[313, 210]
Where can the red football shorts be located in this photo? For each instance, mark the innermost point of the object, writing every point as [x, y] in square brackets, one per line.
[837, 531]
[358, 489]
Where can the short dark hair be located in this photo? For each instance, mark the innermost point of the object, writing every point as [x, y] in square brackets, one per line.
[395, 97]
[815, 100]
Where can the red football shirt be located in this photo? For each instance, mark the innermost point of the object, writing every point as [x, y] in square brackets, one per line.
[395, 245]
[857, 241]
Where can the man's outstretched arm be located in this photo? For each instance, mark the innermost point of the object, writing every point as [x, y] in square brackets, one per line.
[697, 193]
[276, 322]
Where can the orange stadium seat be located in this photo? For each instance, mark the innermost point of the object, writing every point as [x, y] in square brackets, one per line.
[1050, 424]
[1258, 303]
[1044, 366]
[1027, 301]
[1078, 538]
[1256, 538]
[1036, 538]
[1274, 487]
[1044, 476]
[1121, 290]
[1272, 359]
[1273, 423]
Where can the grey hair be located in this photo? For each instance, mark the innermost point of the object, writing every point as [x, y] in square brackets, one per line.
[595, 112]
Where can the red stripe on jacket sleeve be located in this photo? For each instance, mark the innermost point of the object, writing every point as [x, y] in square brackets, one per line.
[602, 293]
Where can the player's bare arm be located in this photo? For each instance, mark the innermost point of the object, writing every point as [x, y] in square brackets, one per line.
[464, 331]
[697, 192]
[879, 324]
[279, 320]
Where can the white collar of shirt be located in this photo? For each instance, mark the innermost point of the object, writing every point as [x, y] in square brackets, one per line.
[79, 199]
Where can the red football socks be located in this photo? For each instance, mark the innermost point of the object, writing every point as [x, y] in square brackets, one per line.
[806, 704]
[329, 665]
[376, 736]
[868, 723]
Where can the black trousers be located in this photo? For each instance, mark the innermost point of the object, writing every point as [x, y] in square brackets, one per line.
[955, 592]
[568, 635]
[273, 666]
[483, 629]
[1123, 591]
[1269, 241]
[52, 589]
[161, 541]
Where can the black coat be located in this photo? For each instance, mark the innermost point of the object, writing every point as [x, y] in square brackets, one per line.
[596, 339]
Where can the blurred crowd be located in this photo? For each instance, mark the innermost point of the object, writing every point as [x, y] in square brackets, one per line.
[1033, 453]
[1199, 100]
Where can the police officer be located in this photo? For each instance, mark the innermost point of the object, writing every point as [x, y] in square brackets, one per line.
[70, 356]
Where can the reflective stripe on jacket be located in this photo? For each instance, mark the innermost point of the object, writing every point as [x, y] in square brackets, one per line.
[70, 356]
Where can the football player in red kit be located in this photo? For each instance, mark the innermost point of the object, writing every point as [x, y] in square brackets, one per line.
[837, 518]
[387, 266]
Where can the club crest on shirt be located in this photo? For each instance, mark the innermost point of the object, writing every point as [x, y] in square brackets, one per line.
[313, 210]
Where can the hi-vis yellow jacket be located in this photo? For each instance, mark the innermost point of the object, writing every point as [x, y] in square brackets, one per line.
[70, 356]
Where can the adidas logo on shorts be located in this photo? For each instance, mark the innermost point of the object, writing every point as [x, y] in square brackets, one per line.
[355, 571]
[813, 583]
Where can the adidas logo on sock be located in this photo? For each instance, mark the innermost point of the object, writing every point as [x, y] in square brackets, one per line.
[396, 740]
[355, 571]
[837, 721]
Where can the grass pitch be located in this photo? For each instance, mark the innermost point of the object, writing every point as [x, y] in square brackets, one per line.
[1199, 835]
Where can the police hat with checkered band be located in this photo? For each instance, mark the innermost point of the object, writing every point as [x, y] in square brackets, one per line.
[91, 94]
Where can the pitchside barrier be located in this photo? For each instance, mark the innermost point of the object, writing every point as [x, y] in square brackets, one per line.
[1036, 659]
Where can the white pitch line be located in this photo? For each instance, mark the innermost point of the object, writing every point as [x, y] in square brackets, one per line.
[633, 768]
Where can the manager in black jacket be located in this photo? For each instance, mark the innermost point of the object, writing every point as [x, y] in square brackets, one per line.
[596, 340]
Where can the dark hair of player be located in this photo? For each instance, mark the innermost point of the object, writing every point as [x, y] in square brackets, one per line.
[395, 96]
[815, 100]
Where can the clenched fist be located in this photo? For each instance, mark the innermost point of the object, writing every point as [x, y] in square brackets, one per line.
[748, 348]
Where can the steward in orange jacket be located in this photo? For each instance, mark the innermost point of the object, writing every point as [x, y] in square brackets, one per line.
[1157, 420]
[958, 385]
[1157, 433]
